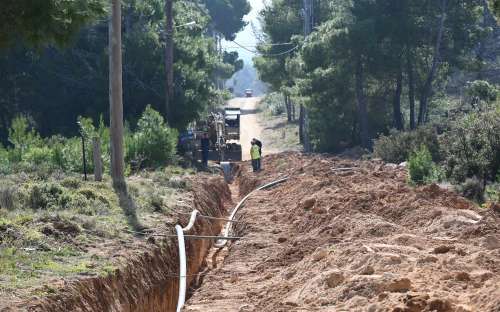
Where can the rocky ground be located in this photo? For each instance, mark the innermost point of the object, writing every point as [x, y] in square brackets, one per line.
[344, 235]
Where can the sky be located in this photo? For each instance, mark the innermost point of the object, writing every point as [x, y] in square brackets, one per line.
[246, 36]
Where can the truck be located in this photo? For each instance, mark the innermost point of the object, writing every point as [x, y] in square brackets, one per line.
[248, 93]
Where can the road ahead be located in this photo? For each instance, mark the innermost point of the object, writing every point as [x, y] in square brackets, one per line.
[250, 127]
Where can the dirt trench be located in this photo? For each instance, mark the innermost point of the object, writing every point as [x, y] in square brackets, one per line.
[149, 280]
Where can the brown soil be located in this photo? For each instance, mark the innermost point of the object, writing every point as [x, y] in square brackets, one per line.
[354, 240]
[147, 276]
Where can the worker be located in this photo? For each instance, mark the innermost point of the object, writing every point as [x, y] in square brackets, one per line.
[255, 155]
[205, 145]
[259, 144]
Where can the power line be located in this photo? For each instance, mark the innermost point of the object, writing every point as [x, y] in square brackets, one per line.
[262, 44]
[266, 54]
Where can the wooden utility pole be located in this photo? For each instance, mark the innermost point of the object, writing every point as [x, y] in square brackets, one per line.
[116, 96]
[169, 57]
[97, 159]
[308, 23]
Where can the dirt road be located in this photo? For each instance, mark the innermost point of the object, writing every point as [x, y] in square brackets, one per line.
[250, 127]
[345, 235]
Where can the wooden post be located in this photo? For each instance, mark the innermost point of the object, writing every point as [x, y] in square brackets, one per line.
[97, 159]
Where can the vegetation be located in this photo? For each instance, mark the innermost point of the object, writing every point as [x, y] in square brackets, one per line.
[61, 226]
[405, 79]
[74, 81]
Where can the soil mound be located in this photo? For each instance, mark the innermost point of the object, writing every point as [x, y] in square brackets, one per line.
[345, 235]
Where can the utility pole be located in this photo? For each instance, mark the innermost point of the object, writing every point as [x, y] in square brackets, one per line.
[308, 23]
[169, 57]
[116, 96]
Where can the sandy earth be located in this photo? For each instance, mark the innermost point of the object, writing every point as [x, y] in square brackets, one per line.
[354, 240]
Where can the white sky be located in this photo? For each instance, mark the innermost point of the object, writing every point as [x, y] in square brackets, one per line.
[246, 36]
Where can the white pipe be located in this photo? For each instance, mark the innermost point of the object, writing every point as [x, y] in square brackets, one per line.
[192, 220]
[227, 228]
[182, 268]
[182, 247]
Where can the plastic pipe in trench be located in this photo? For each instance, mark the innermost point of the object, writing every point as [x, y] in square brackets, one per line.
[220, 244]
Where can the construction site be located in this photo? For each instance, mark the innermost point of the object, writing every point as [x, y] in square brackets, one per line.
[328, 234]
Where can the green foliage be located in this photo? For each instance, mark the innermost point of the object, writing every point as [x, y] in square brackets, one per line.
[420, 165]
[495, 8]
[346, 70]
[471, 147]
[398, 146]
[228, 15]
[22, 137]
[45, 22]
[275, 103]
[481, 92]
[41, 86]
[154, 143]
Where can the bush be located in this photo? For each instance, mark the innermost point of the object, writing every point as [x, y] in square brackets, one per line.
[154, 143]
[420, 165]
[46, 196]
[472, 189]
[38, 156]
[471, 148]
[22, 138]
[479, 92]
[398, 146]
[275, 102]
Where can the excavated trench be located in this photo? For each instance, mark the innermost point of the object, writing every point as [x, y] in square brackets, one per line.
[149, 281]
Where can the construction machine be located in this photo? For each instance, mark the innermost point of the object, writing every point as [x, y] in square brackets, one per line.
[223, 129]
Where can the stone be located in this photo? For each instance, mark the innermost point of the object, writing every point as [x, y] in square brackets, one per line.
[334, 278]
[308, 203]
[462, 277]
[442, 249]
[398, 285]
[367, 270]
[320, 254]
[282, 239]
[440, 305]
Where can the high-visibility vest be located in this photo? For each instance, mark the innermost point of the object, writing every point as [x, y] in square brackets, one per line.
[254, 152]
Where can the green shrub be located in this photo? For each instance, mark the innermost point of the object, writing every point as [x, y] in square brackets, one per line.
[472, 189]
[420, 165]
[275, 102]
[47, 195]
[38, 156]
[480, 92]
[154, 143]
[398, 146]
[22, 137]
[471, 148]
[8, 197]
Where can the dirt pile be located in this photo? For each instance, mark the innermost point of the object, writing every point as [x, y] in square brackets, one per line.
[345, 235]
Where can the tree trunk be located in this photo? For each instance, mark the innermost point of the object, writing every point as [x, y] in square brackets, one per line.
[288, 108]
[426, 93]
[397, 116]
[362, 107]
[169, 58]
[292, 105]
[301, 123]
[116, 97]
[411, 90]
